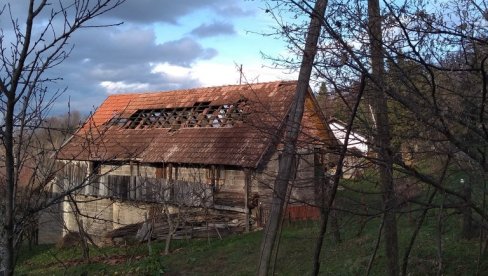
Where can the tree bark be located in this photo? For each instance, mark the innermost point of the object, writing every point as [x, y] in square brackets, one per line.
[11, 181]
[467, 214]
[9, 261]
[382, 139]
[292, 131]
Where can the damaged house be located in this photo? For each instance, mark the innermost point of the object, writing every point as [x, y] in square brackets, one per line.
[216, 148]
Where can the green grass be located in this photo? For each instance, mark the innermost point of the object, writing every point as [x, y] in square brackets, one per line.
[238, 255]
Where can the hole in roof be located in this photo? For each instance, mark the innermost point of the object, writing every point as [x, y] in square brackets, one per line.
[200, 115]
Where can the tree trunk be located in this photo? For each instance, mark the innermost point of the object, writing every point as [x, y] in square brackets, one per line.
[321, 200]
[167, 243]
[292, 131]
[467, 214]
[171, 230]
[81, 229]
[382, 139]
[335, 225]
[24, 99]
[331, 192]
[9, 262]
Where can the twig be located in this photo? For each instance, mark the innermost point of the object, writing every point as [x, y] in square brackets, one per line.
[377, 245]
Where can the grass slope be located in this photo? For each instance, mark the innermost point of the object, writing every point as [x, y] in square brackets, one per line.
[238, 255]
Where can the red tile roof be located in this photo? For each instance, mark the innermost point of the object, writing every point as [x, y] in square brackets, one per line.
[243, 144]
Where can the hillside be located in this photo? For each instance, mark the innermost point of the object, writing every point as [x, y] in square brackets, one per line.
[238, 255]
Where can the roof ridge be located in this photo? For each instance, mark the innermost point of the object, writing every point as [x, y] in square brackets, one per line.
[202, 88]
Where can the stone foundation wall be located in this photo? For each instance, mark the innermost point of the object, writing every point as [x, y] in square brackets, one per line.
[99, 216]
[50, 225]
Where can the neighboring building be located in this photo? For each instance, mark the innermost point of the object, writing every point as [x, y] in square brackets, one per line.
[215, 147]
[357, 146]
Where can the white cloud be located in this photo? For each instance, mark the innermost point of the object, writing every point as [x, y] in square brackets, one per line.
[113, 86]
[139, 56]
[201, 74]
[173, 71]
[214, 74]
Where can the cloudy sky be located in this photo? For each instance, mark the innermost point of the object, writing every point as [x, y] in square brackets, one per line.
[164, 45]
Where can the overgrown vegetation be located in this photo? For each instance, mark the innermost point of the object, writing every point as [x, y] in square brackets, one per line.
[238, 255]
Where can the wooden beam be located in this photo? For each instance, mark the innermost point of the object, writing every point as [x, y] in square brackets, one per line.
[170, 171]
[247, 185]
[229, 208]
[212, 177]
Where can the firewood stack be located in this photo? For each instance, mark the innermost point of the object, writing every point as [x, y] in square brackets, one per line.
[190, 225]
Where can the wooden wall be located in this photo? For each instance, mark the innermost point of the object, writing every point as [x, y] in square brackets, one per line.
[227, 183]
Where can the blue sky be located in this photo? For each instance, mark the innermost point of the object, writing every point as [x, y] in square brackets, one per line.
[164, 45]
[238, 43]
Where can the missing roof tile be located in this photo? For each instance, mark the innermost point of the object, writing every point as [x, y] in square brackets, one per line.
[201, 114]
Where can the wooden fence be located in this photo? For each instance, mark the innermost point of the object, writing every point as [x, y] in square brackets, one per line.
[301, 212]
[146, 189]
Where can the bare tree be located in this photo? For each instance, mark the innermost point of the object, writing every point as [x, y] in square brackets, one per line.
[291, 136]
[425, 98]
[26, 59]
[382, 135]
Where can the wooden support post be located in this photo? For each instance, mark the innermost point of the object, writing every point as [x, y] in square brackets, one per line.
[212, 177]
[170, 171]
[247, 186]
[132, 183]
[213, 183]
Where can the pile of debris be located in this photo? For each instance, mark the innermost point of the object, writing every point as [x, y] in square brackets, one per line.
[190, 225]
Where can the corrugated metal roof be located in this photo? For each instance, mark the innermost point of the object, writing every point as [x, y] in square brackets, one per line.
[242, 145]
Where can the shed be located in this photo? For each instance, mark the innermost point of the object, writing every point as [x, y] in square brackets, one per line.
[224, 140]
